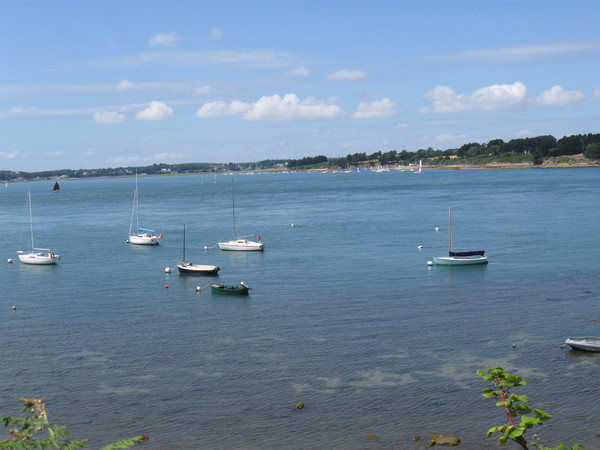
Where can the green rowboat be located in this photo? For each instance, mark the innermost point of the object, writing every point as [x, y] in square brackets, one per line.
[230, 289]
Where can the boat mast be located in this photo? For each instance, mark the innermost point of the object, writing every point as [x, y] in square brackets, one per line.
[449, 229]
[233, 207]
[30, 222]
[183, 260]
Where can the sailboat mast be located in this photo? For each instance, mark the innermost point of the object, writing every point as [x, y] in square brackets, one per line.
[30, 222]
[137, 207]
[183, 259]
[449, 229]
[233, 207]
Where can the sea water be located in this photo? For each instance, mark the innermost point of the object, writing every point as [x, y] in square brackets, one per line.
[345, 315]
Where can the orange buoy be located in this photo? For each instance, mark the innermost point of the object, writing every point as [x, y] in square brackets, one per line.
[166, 286]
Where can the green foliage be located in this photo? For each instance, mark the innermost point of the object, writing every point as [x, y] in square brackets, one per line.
[35, 431]
[514, 406]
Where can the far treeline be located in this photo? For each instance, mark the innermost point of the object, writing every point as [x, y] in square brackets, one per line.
[532, 150]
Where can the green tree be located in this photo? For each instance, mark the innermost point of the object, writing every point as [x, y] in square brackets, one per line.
[592, 151]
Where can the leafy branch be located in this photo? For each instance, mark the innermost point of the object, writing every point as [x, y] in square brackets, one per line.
[514, 406]
[35, 431]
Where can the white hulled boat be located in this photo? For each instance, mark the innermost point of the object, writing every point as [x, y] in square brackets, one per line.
[139, 235]
[240, 244]
[459, 258]
[37, 256]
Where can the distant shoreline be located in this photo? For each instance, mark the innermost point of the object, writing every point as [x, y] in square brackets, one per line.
[555, 163]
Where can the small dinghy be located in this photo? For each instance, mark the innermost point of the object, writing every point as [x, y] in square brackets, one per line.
[588, 343]
[230, 289]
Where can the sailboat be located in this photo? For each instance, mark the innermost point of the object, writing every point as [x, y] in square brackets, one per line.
[56, 187]
[139, 235]
[459, 258]
[38, 256]
[194, 269]
[239, 244]
[420, 169]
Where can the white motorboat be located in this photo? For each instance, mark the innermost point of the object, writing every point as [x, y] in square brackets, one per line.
[240, 244]
[37, 256]
[459, 258]
[137, 234]
[588, 343]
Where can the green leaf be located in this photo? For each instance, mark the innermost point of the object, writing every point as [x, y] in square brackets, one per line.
[126, 443]
[522, 409]
[542, 415]
[516, 432]
[526, 420]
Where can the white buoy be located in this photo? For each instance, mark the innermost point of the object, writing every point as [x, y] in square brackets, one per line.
[293, 225]
[437, 228]
[198, 288]
[167, 270]
[430, 263]
[205, 247]
[420, 247]
[14, 308]
[9, 260]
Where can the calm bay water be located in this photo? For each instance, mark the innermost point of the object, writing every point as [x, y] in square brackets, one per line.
[345, 315]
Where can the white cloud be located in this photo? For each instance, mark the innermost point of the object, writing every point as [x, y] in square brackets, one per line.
[258, 58]
[500, 97]
[9, 155]
[450, 139]
[347, 75]
[156, 111]
[290, 107]
[298, 72]
[557, 96]
[378, 108]
[401, 126]
[497, 97]
[525, 53]
[164, 39]
[272, 108]
[525, 132]
[216, 34]
[597, 92]
[124, 85]
[221, 108]
[108, 117]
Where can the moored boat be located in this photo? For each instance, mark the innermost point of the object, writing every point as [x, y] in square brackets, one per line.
[588, 343]
[459, 258]
[137, 234]
[37, 256]
[195, 269]
[230, 289]
[240, 244]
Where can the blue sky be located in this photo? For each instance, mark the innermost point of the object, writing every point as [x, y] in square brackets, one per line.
[88, 84]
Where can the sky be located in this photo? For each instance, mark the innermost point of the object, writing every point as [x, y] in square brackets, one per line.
[94, 84]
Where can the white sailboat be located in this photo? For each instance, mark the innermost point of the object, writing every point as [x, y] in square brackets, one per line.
[139, 235]
[420, 169]
[37, 256]
[239, 244]
[459, 258]
[194, 269]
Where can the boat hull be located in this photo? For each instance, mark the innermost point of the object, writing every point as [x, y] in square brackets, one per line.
[242, 245]
[39, 259]
[197, 269]
[588, 344]
[144, 239]
[228, 289]
[459, 261]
